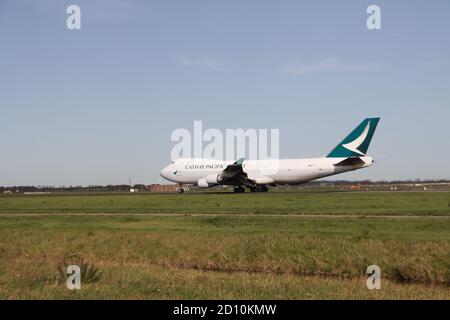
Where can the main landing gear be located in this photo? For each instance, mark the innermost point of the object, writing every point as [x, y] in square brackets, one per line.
[239, 189]
[252, 189]
[259, 189]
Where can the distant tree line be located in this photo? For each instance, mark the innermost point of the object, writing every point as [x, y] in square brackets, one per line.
[97, 188]
[142, 187]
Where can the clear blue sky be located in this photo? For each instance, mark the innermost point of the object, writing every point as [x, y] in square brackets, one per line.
[98, 105]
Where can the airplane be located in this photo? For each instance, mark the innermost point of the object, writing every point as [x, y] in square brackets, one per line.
[348, 155]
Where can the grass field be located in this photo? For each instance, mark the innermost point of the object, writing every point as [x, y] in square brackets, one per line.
[330, 203]
[224, 255]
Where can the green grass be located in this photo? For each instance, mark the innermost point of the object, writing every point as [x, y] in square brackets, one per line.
[235, 257]
[360, 203]
[223, 255]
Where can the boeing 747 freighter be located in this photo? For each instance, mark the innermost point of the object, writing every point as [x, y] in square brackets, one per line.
[350, 154]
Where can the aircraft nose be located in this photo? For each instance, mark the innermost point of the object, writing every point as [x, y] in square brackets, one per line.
[165, 172]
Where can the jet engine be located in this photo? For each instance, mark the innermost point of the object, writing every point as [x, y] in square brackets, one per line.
[202, 183]
[209, 181]
[213, 178]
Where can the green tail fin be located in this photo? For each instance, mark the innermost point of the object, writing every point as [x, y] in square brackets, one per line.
[357, 142]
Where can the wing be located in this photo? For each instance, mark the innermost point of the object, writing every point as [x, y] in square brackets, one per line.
[234, 174]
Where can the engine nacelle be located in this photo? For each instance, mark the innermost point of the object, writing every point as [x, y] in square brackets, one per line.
[213, 178]
[202, 183]
[209, 181]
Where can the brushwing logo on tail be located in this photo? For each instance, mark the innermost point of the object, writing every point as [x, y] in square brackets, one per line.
[355, 144]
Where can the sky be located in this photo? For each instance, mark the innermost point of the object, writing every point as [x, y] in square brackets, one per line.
[98, 105]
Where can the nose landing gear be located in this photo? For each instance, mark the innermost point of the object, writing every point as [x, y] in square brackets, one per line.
[180, 188]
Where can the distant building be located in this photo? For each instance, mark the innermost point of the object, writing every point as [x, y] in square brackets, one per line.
[163, 188]
[352, 187]
[137, 188]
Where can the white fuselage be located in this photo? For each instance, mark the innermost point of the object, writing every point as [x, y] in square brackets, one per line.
[263, 172]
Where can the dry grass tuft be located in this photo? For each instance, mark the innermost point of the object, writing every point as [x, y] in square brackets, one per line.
[89, 272]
